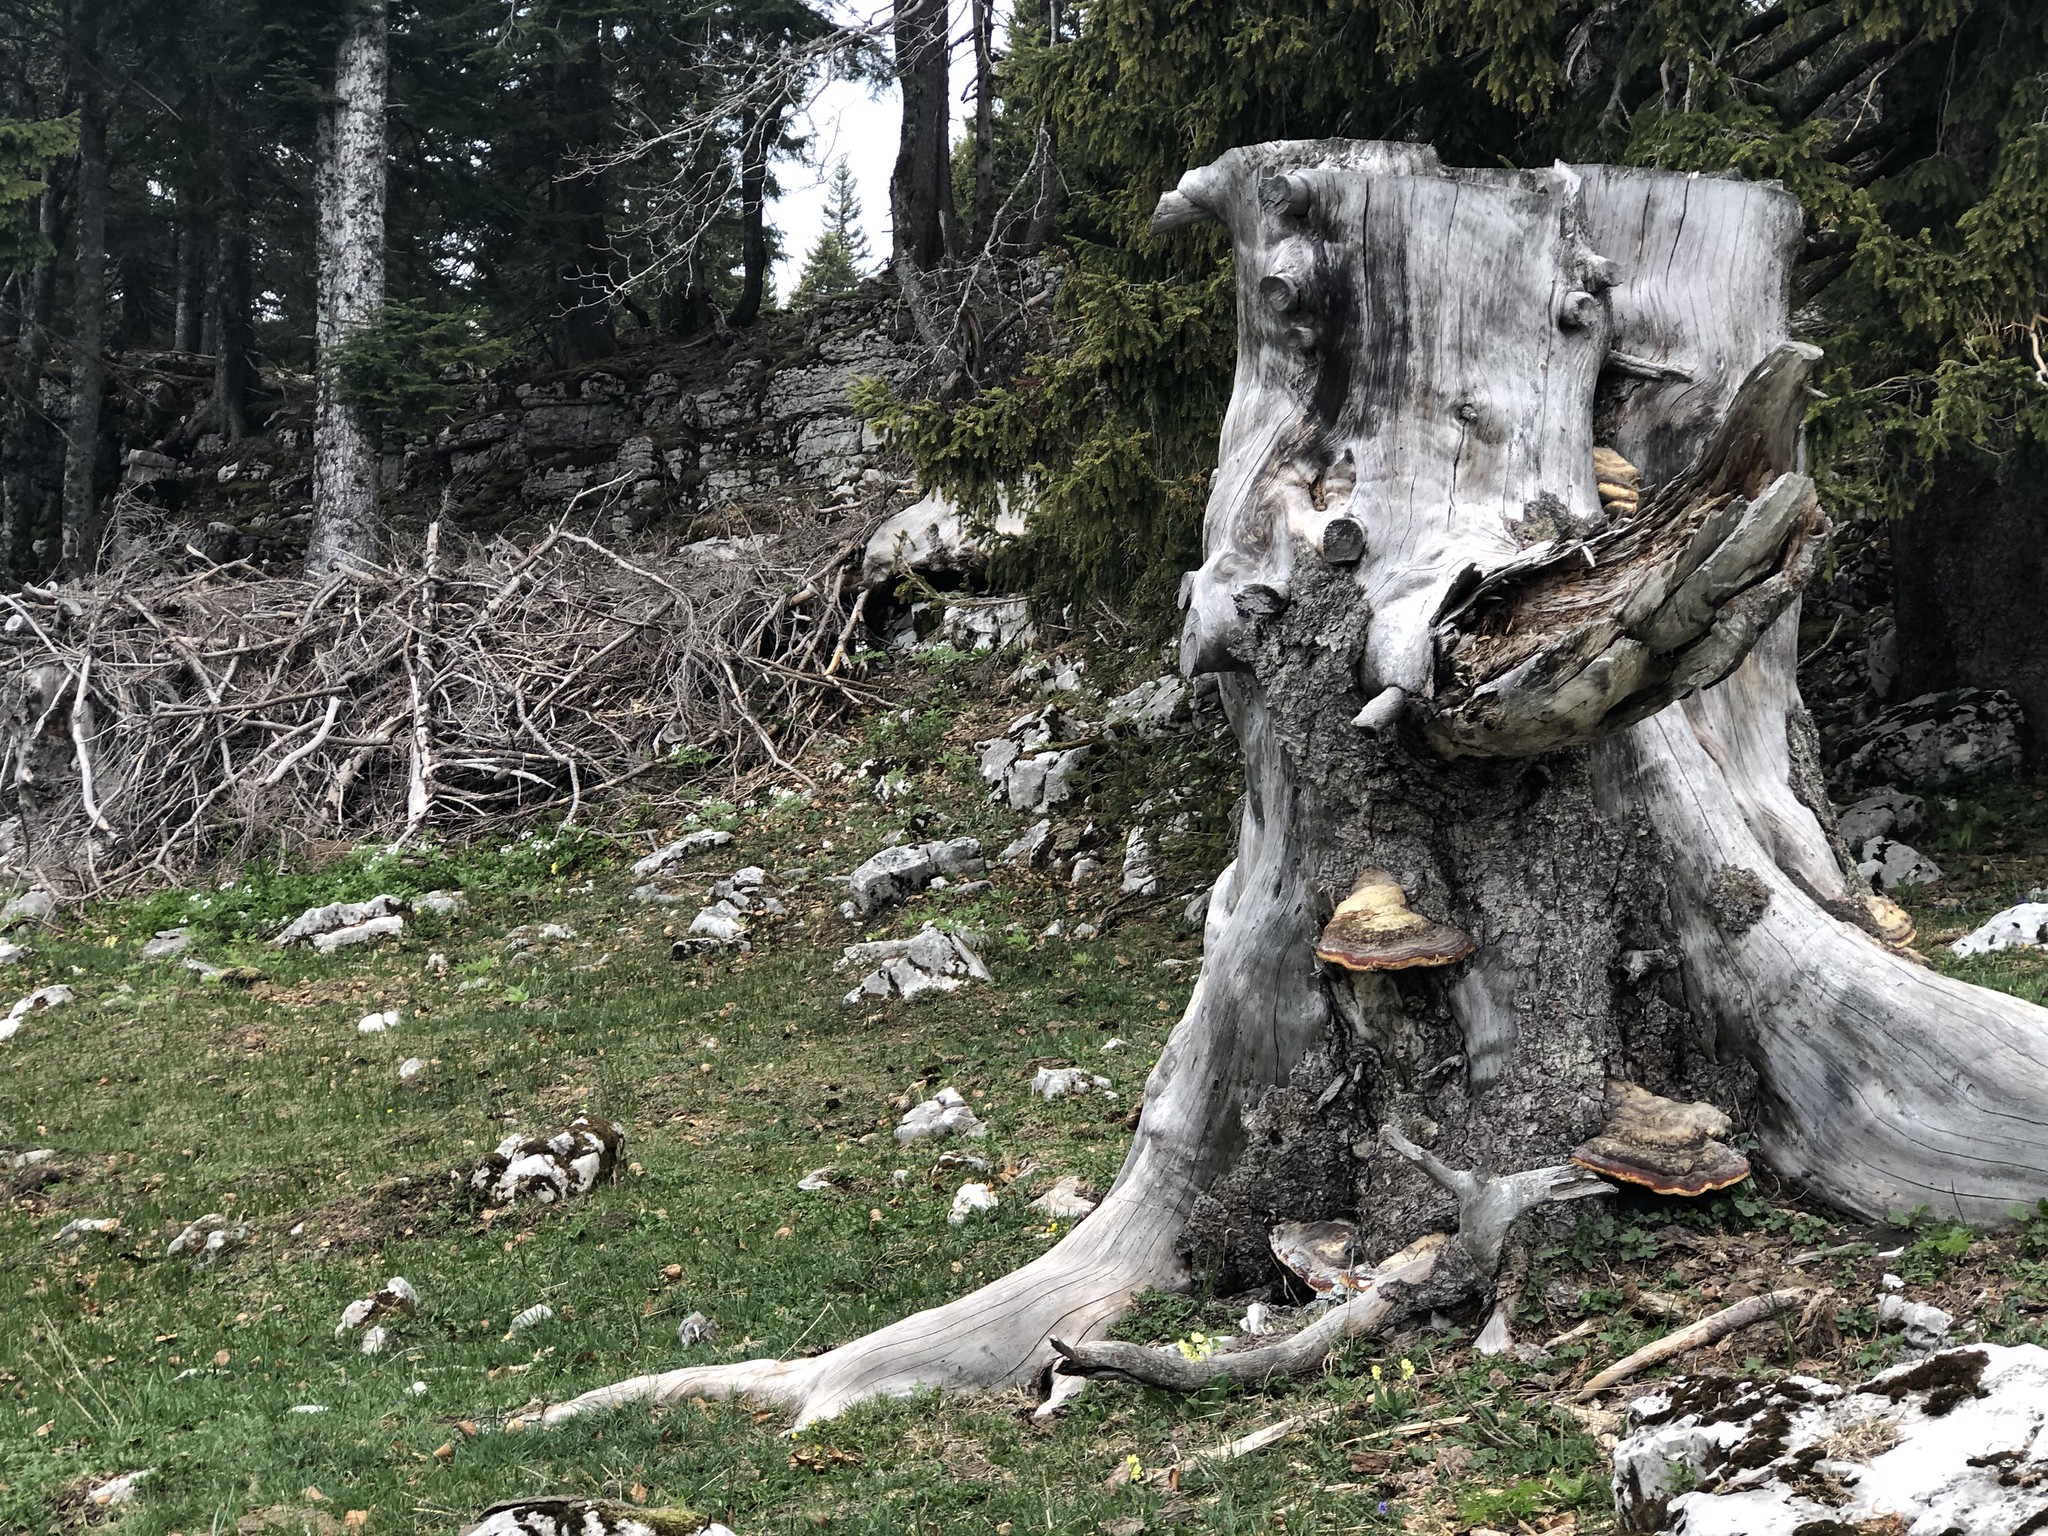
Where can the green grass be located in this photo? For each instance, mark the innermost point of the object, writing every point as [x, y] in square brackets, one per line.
[167, 1098]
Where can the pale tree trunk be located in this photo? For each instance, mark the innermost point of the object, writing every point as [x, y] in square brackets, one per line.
[349, 190]
[81, 526]
[1562, 723]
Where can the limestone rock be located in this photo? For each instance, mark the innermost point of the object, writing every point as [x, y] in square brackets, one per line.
[315, 921]
[550, 1169]
[932, 961]
[681, 848]
[931, 537]
[902, 871]
[1068, 1200]
[1890, 865]
[2022, 927]
[1964, 733]
[1887, 813]
[942, 1115]
[1066, 1082]
[1949, 1444]
[969, 1200]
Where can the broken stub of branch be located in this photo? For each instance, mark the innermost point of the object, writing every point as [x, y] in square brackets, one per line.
[1370, 1311]
[1708, 1330]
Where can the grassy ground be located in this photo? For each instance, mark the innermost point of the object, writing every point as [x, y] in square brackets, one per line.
[166, 1097]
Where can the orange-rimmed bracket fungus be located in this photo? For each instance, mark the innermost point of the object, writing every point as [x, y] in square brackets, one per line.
[1374, 929]
[1665, 1146]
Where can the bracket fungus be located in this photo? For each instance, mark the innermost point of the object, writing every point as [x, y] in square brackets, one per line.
[1373, 929]
[1667, 1147]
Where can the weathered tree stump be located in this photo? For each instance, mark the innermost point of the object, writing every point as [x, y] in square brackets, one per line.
[1542, 719]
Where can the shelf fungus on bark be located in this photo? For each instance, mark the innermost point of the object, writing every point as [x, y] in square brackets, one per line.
[1619, 482]
[1891, 922]
[1374, 929]
[1667, 1147]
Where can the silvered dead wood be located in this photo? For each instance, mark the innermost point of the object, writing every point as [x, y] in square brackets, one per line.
[1562, 721]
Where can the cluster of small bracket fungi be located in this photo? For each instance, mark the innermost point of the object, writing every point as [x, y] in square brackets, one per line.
[1658, 1144]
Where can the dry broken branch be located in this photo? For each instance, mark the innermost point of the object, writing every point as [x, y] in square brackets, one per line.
[153, 722]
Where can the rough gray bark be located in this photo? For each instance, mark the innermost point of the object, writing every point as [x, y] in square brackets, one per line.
[26, 426]
[982, 20]
[81, 526]
[921, 188]
[1569, 732]
[349, 188]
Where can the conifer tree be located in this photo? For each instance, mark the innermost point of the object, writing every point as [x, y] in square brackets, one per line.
[835, 262]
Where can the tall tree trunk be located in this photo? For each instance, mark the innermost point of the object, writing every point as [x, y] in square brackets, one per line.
[1561, 731]
[27, 430]
[88, 320]
[756, 131]
[349, 188]
[580, 330]
[1038, 228]
[189, 312]
[921, 188]
[983, 17]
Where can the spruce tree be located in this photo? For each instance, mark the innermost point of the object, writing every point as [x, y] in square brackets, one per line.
[835, 262]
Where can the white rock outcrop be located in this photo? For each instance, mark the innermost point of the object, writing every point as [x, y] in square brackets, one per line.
[1950, 1445]
[932, 961]
[1892, 866]
[2022, 927]
[553, 1168]
[942, 1115]
[904, 870]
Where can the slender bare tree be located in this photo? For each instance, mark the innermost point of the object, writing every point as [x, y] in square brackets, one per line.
[349, 191]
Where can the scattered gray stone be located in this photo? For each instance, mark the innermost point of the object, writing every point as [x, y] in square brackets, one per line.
[1086, 868]
[969, 1200]
[124, 1489]
[1964, 733]
[90, 1226]
[1140, 879]
[817, 1180]
[1891, 866]
[931, 537]
[43, 997]
[931, 961]
[720, 923]
[206, 1239]
[1925, 1327]
[410, 1068]
[2022, 927]
[315, 921]
[986, 623]
[1068, 1200]
[942, 1115]
[530, 935]
[681, 848]
[368, 932]
[1196, 913]
[1066, 1082]
[449, 904]
[1887, 813]
[550, 1169]
[396, 1298]
[13, 954]
[696, 1329]
[896, 873]
[655, 896]
[377, 1023]
[1152, 708]
[1951, 1443]
[1031, 848]
[167, 942]
[532, 1317]
[32, 906]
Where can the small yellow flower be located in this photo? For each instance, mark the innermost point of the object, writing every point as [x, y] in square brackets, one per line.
[1134, 1469]
[1376, 1373]
[1407, 1369]
[1196, 1346]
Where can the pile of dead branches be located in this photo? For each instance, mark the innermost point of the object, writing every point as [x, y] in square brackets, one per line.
[152, 724]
